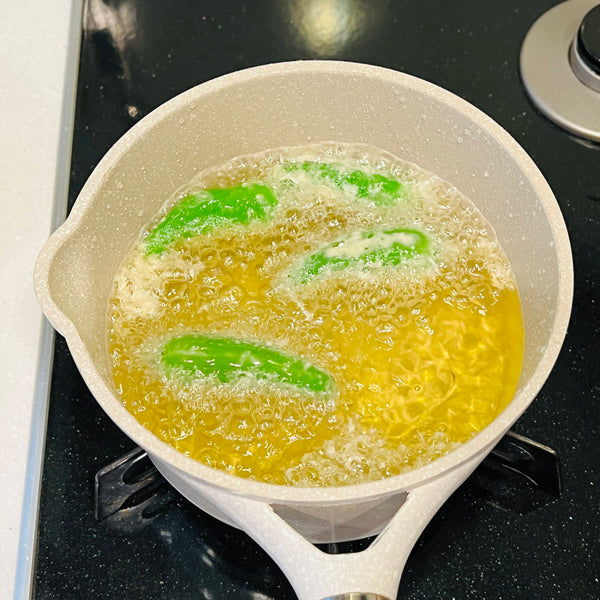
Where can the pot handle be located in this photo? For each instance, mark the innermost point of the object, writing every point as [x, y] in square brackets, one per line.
[372, 574]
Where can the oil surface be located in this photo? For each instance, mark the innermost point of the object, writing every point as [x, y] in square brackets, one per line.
[424, 353]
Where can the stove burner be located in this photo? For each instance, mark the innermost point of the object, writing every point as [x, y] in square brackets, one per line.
[560, 66]
[584, 55]
[130, 492]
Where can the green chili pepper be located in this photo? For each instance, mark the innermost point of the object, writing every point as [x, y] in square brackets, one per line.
[229, 358]
[382, 190]
[388, 247]
[202, 212]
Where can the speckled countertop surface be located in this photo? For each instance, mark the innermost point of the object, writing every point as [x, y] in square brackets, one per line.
[33, 72]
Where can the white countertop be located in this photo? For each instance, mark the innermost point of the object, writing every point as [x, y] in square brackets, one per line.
[37, 75]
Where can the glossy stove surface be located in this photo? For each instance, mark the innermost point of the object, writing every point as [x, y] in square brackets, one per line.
[495, 537]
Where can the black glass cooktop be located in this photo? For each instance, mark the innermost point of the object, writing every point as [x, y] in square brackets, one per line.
[496, 537]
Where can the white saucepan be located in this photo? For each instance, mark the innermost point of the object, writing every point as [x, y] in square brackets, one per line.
[290, 104]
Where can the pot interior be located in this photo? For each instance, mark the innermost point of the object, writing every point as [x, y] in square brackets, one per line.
[292, 104]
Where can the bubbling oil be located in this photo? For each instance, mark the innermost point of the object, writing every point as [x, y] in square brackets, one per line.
[423, 355]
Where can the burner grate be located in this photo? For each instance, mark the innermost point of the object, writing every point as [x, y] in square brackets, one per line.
[129, 493]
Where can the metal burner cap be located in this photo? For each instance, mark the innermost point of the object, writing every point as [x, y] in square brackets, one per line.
[560, 66]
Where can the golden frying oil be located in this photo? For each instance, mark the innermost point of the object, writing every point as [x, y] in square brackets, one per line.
[423, 356]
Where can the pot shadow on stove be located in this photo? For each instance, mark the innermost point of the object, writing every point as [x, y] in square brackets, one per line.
[132, 498]
[519, 477]
[205, 555]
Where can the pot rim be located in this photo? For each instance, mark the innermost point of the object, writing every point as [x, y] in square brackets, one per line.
[480, 444]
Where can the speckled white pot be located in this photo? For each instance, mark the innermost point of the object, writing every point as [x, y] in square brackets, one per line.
[291, 104]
